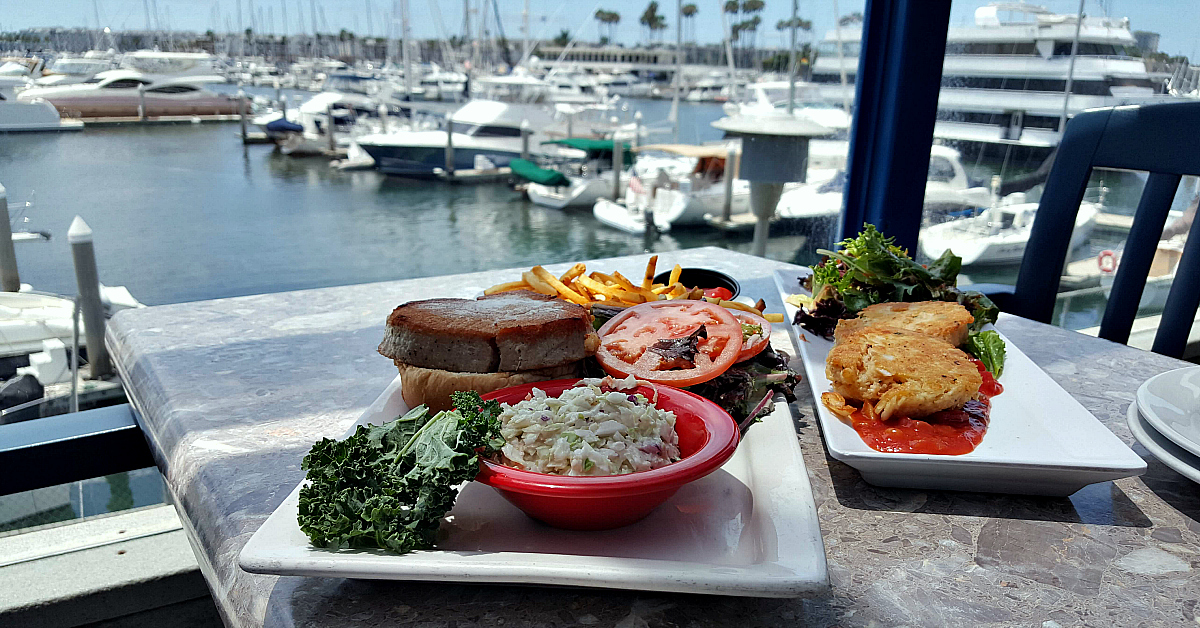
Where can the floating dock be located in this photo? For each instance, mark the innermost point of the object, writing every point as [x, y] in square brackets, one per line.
[474, 176]
[123, 120]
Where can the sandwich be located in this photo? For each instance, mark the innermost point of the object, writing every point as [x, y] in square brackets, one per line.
[445, 345]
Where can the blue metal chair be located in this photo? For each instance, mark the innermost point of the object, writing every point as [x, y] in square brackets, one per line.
[1160, 139]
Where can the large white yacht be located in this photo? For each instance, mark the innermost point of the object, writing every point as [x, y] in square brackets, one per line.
[71, 70]
[118, 93]
[1004, 78]
[482, 130]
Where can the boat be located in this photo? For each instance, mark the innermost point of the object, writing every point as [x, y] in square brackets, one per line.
[17, 72]
[999, 234]
[71, 70]
[1158, 280]
[769, 97]
[486, 129]
[636, 214]
[123, 93]
[35, 115]
[948, 189]
[688, 183]
[1004, 78]
[578, 183]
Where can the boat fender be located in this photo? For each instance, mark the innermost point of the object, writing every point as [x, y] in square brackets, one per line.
[1107, 261]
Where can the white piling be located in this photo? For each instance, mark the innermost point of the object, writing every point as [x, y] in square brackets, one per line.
[730, 173]
[449, 144]
[329, 127]
[618, 160]
[142, 102]
[525, 131]
[10, 279]
[637, 129]
[88, 280]
[279, 97]
[241, 112]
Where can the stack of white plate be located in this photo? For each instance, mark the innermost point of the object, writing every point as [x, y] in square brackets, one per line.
[1165, 419]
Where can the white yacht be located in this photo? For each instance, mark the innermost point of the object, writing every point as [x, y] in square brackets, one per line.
[625, 84]
[999, 234]
[769, 97]
[118, 93]
[34, 115]
[17, 72]
[1004, 78]
[487, 130]
[71, 70]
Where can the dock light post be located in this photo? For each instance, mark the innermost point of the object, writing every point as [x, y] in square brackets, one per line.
[775, 151]
[450, 144]
[142, 101]
[10, 279]
[88, 280]
[525, 130]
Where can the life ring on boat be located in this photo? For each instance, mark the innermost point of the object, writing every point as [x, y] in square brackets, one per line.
[1107, 261]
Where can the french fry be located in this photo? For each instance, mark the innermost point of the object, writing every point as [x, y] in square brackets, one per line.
[507, 286]
[660, 289]
[760, 305]
[675, 272]
[677, 291]
[773, 318]
[648, 279]
[538, 284]
[696, 294]
[631, 297]
[598, 288]
[575, 271]
[623, 282]
[735, 305]
[559, 287]
[603, 278]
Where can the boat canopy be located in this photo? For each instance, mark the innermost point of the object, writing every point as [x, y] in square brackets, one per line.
[689, 150]
[544, 176]
[594, 148]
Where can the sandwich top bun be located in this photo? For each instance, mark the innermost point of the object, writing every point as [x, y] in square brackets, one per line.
[484, 344]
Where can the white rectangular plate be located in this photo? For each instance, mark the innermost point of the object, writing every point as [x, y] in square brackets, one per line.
[748, 529]
[1040, 440]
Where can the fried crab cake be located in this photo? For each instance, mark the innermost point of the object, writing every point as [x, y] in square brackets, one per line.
[901, 372]
[940, 319]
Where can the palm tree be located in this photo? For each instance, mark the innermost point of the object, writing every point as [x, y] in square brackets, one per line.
[600, 16]
[614, 18]
[689, 12]
[652, 20]
[752, 7]
[563, 38]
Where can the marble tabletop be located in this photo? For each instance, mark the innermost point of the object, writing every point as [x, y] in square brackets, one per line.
[231, 393]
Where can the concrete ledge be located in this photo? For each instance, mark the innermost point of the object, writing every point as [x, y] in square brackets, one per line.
[124, 569]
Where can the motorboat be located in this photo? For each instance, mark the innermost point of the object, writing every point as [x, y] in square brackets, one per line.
[350, 97]
[1158, 280]
[948, 188]
[71, 70]
[689, 182]
[124, 92]
[487, 130]
[636, 215]
[626, 85]
[28, 317]
[35, 115]
[770, 97]
[444, 85]
[17, 72]
[578, 183]
[999, 234]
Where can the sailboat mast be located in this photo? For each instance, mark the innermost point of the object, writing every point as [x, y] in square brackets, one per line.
[1062, 120]
[678, 65]
[837, 24]
[791, 108]
[405, 52]
[525, 33]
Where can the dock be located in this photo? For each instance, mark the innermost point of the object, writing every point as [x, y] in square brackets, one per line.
[123, 120]
[473, 175]
[1118, 223]
[255, 137]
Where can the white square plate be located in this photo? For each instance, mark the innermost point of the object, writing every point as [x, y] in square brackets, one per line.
[1040, 440]
[748, 529]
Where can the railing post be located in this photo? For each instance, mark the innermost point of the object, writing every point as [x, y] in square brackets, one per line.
[88, 280]
[10, 279]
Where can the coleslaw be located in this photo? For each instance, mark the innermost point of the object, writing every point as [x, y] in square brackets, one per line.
[593, 429]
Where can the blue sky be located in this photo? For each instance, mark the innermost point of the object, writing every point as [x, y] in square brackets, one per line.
[1177, 20]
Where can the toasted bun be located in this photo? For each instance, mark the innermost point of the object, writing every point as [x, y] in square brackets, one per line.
[432, 387]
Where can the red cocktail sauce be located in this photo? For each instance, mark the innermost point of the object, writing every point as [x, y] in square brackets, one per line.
[949, 432]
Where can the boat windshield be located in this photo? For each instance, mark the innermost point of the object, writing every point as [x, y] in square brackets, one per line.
[485, 130]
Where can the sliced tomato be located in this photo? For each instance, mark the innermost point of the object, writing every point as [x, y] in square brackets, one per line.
[751, 349]
[625, 341]
[718, 293]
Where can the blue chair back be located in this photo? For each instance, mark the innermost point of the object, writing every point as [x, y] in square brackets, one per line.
[1161, 139]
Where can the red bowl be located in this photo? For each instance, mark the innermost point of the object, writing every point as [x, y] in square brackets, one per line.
[707, 438]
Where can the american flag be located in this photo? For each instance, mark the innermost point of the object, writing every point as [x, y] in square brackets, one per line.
[635, 184]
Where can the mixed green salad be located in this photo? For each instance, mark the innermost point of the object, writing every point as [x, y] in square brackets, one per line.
[870, 269]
